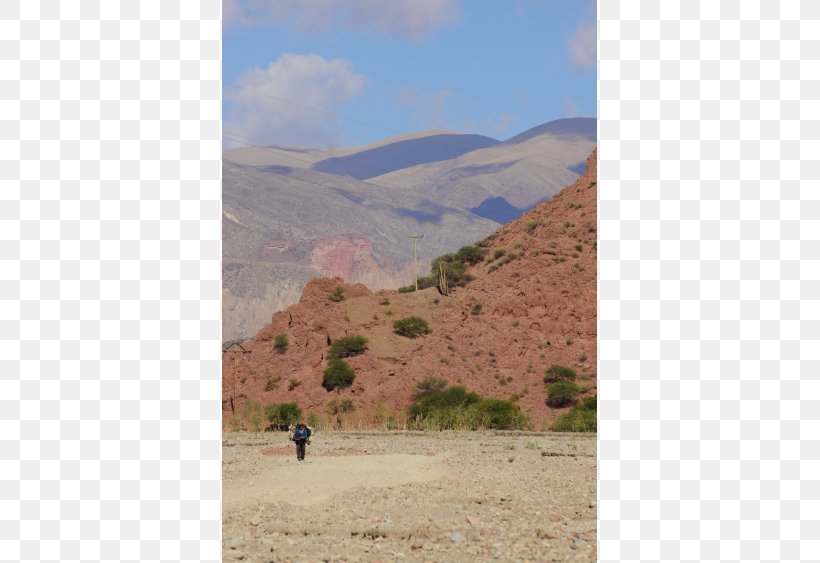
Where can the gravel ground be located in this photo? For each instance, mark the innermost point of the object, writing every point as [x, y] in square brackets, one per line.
[379, 496]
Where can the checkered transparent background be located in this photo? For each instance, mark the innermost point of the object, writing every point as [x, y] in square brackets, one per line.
[109, 280]
[709, 280]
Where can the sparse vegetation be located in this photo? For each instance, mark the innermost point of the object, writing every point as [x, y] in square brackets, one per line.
[430, 384]
[313, 420]
[499, 252]
[335, 407]
[532, 225]
[293, 383]
[282, 415]
[476, 308]
[469, 254]
[280, 343]
[456, 408]
[347, 346]
[249, 417]
[582, 358]
[338, 375]
[337, 295]
[556, 373]
[515, 323]
[411, 327]
[273, 383]
[580, 418]
[578, 247]
[562, 394]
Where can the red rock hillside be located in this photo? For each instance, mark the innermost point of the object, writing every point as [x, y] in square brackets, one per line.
[537, 308]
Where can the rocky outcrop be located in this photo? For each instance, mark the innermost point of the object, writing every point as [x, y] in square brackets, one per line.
[342, 256]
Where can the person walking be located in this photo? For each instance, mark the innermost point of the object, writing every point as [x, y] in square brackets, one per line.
[301, 435]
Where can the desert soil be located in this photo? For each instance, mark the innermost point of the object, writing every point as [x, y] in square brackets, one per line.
[387, 496]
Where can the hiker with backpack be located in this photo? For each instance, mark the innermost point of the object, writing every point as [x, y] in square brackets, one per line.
[301, 435]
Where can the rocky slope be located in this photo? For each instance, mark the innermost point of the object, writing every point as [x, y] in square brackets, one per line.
[288, 211]
[530, 308]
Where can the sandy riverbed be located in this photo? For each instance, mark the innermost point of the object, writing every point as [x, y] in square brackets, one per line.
[368, 496]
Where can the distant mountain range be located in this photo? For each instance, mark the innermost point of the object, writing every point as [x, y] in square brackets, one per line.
[294, 213]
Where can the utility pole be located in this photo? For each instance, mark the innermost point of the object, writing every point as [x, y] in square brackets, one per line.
[415, 264]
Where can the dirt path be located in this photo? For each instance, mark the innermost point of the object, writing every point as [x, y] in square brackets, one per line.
[472, 496]
[316, 479]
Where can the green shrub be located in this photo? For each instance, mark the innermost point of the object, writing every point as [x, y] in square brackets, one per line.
[411, 327]
[532, 225]
[338, 375]
[282, 415]
[272, 383]
[456, 408]
[499, 252]
[562, 394]
[470, 254]
[313, 420]
[455, 271]
[430, 384]
[347, 346]
[476, 309]
[498, 414]
[280, 343]
[337, 295]
[454, 397]
[556, 373]
[293, 383]
[580, 418]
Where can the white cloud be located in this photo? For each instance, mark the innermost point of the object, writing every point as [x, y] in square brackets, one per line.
[278, 105]
[409, 18]
[582, 45]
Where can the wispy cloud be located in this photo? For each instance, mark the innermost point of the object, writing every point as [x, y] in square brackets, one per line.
[502, 125]
[582, 45]
[427, 108]
[570, 107]
[278, 104]
[407, 18]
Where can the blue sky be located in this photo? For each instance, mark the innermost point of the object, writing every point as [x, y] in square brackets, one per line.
[494, 68]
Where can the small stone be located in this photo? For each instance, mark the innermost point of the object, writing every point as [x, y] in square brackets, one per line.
[233, 543]
[456, 537]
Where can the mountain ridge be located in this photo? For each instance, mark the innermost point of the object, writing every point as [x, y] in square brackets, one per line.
[532, 304]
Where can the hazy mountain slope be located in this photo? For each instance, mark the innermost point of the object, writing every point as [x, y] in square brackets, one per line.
[403, 154]
[523, 173]
[536, 306]
[586, 127]
[282, 227]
